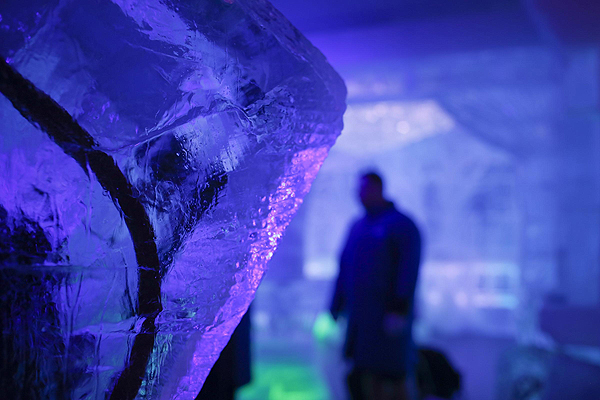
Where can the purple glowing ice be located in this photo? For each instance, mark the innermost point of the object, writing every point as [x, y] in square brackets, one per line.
[152, 154]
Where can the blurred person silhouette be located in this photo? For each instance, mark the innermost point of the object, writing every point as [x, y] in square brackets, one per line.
[375, 291]
[232, 368]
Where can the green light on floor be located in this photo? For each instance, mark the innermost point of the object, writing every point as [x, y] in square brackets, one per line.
[284, 381]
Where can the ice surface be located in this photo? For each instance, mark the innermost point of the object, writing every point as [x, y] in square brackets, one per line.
[152, 154]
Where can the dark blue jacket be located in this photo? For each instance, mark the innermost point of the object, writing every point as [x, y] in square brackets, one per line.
[378, 275]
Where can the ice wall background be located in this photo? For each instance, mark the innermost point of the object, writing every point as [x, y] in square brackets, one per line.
[484, 118]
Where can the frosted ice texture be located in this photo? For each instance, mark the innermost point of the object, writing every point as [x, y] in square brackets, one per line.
[217, 115]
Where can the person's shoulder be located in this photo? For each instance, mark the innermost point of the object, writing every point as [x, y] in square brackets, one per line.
[395, 215]
[357, 223]
[403, 220]
[406, 218]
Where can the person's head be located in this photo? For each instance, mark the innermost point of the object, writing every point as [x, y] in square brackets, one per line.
[370, 190]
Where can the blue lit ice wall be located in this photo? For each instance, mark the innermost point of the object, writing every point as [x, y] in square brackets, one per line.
[491, 142]
[495, 153]
[152, 154]
[460, 190]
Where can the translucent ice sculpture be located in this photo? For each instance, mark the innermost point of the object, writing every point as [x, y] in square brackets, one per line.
[151, 155]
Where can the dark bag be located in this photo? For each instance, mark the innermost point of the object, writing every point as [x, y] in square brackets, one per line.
[435, 375]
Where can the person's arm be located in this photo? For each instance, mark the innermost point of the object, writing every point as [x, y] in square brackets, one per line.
[338, 302]
[408, 246]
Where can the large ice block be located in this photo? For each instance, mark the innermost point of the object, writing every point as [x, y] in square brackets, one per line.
[151, 155]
